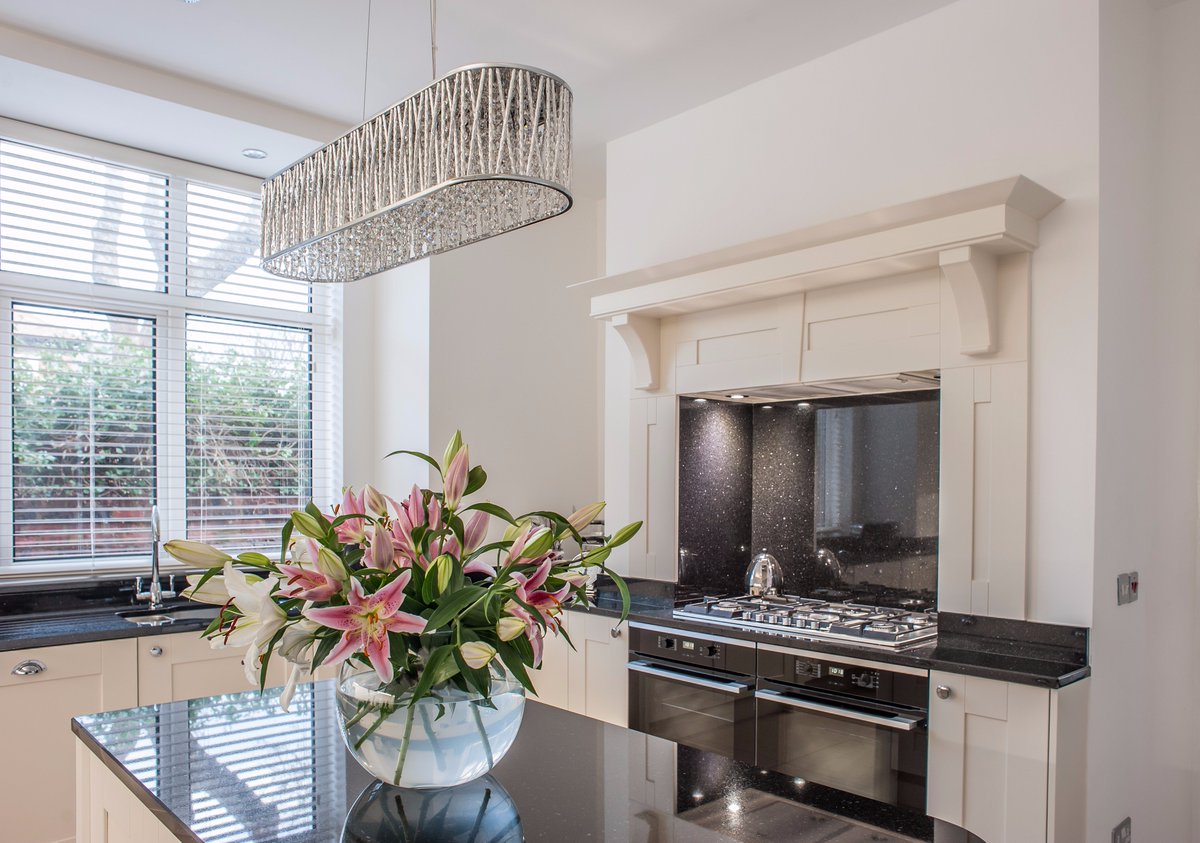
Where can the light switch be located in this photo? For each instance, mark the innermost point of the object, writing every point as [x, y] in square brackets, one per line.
[1127, 588]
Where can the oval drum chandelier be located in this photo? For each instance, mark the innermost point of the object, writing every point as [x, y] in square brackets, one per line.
[481, 151]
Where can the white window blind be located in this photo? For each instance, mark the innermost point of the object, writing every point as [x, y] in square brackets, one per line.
[249, 429]
[150, 359]
[83, 432]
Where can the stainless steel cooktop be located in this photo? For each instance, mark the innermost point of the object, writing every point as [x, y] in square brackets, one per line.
[874, 626]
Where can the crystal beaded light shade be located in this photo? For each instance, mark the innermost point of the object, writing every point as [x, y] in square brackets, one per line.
[483, 150]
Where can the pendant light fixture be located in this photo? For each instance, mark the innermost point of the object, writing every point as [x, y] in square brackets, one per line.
[481, 151]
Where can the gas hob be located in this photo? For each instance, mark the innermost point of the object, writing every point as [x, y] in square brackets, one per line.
[809, 618]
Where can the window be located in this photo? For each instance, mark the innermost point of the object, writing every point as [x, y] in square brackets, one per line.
[150, 359]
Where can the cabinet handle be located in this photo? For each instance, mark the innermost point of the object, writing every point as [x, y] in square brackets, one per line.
[615, 632]
[943, 692]
[156, 651]
[29, 667]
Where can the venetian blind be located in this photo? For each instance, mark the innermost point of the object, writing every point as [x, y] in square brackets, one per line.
[152, 360]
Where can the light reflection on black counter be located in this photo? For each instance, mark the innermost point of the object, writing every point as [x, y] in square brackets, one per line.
[236, 768]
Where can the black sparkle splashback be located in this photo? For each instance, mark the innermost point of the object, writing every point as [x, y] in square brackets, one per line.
[843, 492]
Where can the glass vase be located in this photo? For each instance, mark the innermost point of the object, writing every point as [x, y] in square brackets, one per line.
[443, 740]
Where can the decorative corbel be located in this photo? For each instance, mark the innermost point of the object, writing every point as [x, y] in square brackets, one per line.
[640, 335]
[971, 273]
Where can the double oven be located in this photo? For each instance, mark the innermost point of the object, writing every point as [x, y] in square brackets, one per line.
[846, 723]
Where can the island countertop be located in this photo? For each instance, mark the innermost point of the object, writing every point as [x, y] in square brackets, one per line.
[237, 768]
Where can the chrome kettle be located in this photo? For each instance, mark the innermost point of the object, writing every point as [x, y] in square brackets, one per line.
[764, 576]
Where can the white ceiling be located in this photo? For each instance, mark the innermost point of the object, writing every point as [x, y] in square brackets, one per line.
[205, 79]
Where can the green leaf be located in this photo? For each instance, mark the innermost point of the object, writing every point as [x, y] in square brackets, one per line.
[475, 480]
[286, 540]
[621, 587]
[266, 658]
[419, 455]
[488, 548]
[492, 509]
[452, 604]
[324, 648]
[440, 667]
[512, 660]
[624, 534]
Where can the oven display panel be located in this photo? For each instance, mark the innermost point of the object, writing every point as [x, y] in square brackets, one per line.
[834, 676]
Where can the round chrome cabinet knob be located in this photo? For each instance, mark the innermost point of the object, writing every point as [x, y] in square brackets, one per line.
[943, 692]
[29, 667]
[156, 651]
[615, 632]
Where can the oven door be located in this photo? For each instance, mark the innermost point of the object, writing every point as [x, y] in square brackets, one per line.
[876, 750]
[708, 711]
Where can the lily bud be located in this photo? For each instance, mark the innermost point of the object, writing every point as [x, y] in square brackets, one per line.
[539, 542]
[580, 518]
[307, 525]
[214, 591]
[451, 449]
[474, 531]
[330, 565]
[456, 478]
[509, 628]
[440, 570]
[374, 501]
[477, 654]
[196, 553]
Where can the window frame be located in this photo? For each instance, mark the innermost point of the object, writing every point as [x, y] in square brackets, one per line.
[169, 310]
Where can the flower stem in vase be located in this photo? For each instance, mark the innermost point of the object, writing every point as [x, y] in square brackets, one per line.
[487, 745]
[408, 724]
[384, 713]
[434, 744]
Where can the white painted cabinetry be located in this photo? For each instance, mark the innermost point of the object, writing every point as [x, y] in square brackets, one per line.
[40, 691]
[183, 665]
[1002, 757]
[591, 678]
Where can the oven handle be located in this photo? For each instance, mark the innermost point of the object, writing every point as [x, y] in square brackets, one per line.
[735, 688]
[899, 722]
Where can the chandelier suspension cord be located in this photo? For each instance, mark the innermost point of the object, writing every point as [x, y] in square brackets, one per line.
[433, 37]
[366, 59]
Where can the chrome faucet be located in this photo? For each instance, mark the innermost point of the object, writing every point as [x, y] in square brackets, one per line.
[155, 594]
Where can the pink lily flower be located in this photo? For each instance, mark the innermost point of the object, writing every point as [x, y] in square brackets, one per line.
[478, 566]
[366, 622]
[311, 575]
[456, 478]
[353, 530]
[373, 501]
[416, 507]
[532, 631]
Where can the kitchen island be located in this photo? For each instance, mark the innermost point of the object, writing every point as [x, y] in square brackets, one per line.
[237, 768]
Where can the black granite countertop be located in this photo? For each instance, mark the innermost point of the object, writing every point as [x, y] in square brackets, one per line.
[1046, 655]
[235, 767]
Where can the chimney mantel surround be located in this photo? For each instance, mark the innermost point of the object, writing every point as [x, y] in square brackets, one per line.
[936, 285]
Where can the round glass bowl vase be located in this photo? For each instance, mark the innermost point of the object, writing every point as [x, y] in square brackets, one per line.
[442, 740]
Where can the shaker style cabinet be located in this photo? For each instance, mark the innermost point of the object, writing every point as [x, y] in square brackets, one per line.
[183, 665]
[591, 678]
[1005, 758]
[40, 691]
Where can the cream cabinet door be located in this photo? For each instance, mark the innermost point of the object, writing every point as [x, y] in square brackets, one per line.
[989, 756]
[599, 684]
[183, 666]
[40, 691]
[552, 679]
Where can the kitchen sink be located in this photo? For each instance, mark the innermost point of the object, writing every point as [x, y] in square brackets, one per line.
[172, 614]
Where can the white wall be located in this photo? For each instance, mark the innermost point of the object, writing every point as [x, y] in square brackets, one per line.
[386, 366]
[977, 91]
[1149, 371]
[513, 360]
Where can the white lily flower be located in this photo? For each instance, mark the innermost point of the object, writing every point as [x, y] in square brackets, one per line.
[213, 591]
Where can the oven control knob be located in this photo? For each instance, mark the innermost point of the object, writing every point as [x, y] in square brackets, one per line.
[943, 692]
[712, 651]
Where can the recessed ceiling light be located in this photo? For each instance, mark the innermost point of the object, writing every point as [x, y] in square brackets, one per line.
[700, 400]
[736, 397]
[250, 151]
[804, 404]
[768, 407]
